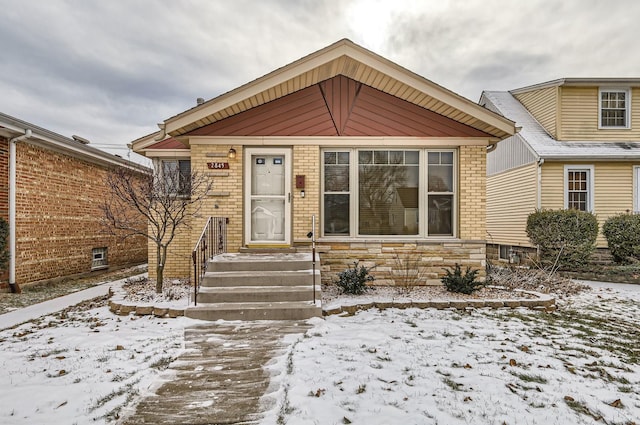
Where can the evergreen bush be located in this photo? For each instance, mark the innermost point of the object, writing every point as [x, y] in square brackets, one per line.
[566, 238]
[354, 279]
[4, 244]
[623, 237]
[462, 283]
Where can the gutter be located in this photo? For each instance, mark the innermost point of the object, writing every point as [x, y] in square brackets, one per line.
[12, 208]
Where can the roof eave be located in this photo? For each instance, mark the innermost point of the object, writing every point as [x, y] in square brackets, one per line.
[49, 139]
[579, 82]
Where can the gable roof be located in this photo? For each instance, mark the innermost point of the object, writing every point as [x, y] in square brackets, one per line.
[581, 82]
[341, 58]
[339, 106]
[77, 147]
[544, 145]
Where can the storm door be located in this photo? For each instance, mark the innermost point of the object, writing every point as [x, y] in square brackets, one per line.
[268, 196]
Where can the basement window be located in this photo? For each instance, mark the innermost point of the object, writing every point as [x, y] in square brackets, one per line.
[99, 259]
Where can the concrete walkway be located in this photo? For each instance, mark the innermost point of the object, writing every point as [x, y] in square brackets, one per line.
[221, 378]
[21, 315]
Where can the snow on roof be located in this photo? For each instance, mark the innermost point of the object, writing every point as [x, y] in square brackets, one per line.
[544, 145]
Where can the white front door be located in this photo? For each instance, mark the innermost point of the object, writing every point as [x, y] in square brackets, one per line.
[268, 196]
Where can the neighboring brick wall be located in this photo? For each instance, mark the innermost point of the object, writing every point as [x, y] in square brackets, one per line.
[4, 199]
[306, 162]
[4, 178]
[58, 217]
[432, 258]
[472, 196]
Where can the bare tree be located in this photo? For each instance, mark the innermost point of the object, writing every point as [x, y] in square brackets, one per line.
[154, 205]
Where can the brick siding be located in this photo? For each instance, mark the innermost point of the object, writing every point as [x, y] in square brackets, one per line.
[226, 200]
[58, 216]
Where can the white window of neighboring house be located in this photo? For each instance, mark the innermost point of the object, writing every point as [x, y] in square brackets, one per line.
[99, 258]
[615, 105]
[636, 189]
[177, 174]
[578, 187]
[382, 192]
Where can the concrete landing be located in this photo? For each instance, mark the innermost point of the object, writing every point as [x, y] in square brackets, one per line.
[220, 379]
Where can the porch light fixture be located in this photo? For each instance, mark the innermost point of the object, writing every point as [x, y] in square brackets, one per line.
[232, 153]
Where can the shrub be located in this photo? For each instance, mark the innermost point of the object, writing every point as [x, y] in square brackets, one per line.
[354, 279]
[407, 272]
[463, 283]
[623, 237]
[4, 244]
[565, 238]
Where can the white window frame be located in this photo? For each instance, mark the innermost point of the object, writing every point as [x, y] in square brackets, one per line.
[177, 161]
[590, 185]
[422, 196]
[627, 106]
[99, 258]
[636, 189]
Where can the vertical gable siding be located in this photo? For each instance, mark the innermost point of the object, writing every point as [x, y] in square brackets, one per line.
[580, 116]
[542, 105]
[509, 153]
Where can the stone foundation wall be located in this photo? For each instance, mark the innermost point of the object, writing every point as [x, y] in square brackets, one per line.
[401, 263]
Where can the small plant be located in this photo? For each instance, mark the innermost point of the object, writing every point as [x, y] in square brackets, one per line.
[465, 283]
[354, 279]
[408, 273]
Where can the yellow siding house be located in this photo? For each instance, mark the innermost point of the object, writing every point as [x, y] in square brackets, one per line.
[578, 146]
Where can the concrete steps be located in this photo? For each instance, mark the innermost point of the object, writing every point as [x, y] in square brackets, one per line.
[265, 286]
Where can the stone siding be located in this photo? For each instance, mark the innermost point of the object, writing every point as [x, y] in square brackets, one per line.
[392, 261]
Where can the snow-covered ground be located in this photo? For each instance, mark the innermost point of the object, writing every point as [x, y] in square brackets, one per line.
[577, 366]
[87, 366]
[83, 366]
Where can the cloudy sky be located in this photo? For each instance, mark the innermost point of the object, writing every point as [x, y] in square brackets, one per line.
[110, 70]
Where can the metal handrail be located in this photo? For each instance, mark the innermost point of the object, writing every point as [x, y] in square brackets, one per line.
[212, 242]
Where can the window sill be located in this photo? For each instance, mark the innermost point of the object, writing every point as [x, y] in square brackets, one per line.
[99, 268]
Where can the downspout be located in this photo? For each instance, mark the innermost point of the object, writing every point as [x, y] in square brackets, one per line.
[12, 208]
[539, 194]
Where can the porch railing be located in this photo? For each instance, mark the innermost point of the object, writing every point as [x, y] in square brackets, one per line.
[212, 242]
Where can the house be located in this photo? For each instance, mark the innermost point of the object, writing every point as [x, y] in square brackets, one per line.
[338, 135]
[578, 147]
[51, 189]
